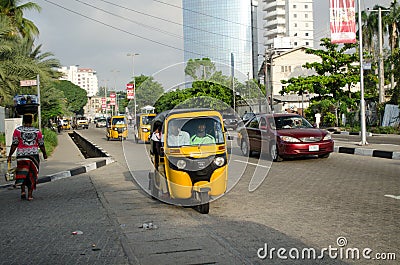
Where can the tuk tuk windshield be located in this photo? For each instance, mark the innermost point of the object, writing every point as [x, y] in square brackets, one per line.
[146, 120]
[118, 121]
[194, 131]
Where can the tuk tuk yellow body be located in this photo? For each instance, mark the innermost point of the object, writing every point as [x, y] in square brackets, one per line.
[66, 124]
[191, 174]
[143, 127]
[117, 128]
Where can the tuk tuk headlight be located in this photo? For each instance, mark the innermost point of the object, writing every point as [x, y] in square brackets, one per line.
[145, 129]
[219, 161]
[181, 164]
[115, 129]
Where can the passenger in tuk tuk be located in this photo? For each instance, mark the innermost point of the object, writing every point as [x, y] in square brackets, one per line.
[201, 136]
[177, 137]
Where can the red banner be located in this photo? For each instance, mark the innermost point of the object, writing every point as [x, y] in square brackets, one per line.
[112, 98]
[130, 91]
[343, 21]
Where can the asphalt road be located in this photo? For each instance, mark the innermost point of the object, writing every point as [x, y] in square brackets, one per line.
[340, 206]
[302, 203]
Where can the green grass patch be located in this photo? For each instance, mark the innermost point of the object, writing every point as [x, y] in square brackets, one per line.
[50, 140]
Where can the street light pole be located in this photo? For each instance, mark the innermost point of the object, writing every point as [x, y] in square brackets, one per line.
[380, 58]
[134, 83]
[362, 102]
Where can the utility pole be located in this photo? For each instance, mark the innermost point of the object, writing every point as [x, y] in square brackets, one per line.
[134, 83]
[233, 81]
[362, 101]
[380, 58]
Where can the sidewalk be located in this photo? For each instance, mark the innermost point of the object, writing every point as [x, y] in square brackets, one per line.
[65, 161]
[389, 151]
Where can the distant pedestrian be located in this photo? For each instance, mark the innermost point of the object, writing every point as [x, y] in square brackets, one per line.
[59, 125]
[27, 140]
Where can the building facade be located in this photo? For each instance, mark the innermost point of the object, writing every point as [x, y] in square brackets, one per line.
[215, 29]
[85, 78]
[288, 24]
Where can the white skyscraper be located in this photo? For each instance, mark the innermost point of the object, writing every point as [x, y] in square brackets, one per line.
[288, 23]
[85, 78]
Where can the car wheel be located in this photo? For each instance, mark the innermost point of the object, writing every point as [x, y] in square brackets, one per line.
[275, 153]
[324, 155]
[245, 147]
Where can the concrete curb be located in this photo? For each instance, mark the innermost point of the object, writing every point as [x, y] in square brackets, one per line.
[69, 173]
[367, 152]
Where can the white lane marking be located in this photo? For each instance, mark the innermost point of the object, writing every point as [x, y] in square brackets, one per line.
[393, 196]
[254, 164]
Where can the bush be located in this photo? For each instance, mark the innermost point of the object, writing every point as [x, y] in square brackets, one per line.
[385, 130]
[50, 140]
[2, 139]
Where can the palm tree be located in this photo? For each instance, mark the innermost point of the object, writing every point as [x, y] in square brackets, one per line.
[22, 26]
[392, 20]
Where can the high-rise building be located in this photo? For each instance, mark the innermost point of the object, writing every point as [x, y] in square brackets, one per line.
[215, 29]
[288, 23]
[85, 78]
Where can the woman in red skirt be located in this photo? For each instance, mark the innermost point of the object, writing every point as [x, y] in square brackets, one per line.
[27, 140]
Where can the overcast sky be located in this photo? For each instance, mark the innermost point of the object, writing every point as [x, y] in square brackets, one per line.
[79, 32]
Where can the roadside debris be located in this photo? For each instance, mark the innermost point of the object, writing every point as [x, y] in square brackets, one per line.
[77, 232]
[148, 226]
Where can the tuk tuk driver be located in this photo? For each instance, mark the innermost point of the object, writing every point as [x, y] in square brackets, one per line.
[177, 137]
[201, 137]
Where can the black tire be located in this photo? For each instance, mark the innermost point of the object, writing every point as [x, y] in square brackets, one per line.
[324, 155]
[275, 153]
[245, 147]
[204, 208]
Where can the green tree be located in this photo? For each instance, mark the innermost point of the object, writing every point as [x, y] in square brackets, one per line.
[200, 69]
[147, 91]
[15, 12]
[75, 97]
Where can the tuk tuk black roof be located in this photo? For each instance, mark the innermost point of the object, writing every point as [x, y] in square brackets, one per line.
[160, 118]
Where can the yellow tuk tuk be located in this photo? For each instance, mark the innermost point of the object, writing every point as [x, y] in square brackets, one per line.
[66, 124]
[142, 127]
[192, 162]
[117, 128]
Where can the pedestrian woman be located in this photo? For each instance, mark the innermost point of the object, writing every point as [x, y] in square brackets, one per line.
[27, 140]
[157, 138]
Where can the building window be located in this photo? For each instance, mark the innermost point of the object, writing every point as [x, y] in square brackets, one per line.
[295, 43]
[295, 34]
[306, 25]
[306, 15]
[295, 25]
[294, 6]
[294, 15]
[307, 43]
[306, 34]
[306, 6]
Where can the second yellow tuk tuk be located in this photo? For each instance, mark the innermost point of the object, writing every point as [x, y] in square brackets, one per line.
[117, 128]
[142, 127]
[193, 160]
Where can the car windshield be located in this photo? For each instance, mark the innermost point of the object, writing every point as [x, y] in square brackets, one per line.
[194, 131]
[291, 122]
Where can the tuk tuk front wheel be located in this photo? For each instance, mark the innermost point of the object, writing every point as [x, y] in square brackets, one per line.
[204, 206]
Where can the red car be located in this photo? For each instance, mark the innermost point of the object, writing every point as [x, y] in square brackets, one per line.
[283, 136]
